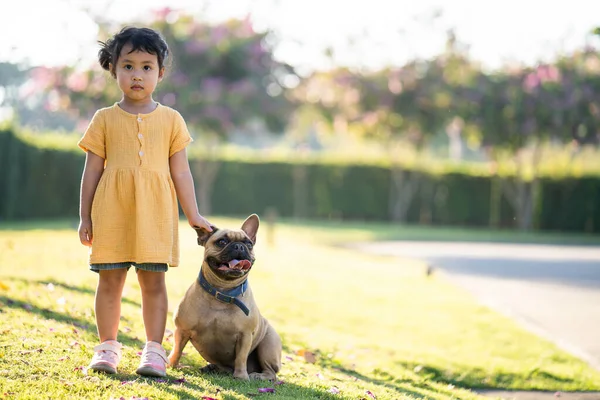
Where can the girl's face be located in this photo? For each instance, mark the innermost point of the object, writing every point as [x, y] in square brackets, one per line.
[137, 74]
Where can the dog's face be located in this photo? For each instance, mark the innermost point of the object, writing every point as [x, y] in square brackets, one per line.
[229, 253]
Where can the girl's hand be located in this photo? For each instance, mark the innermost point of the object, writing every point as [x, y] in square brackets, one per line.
[86, 235]
[198, 221]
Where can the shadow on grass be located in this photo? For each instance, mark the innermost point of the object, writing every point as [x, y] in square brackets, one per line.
[420, 378]
[46, 313]
[36, 224]
[176, 383]
[477, 378]
[403, 386]
[78, 289]
[66, 319]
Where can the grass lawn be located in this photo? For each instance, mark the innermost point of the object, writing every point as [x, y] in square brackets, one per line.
[353, 326]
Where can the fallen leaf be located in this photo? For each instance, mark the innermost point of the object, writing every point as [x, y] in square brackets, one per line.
[23, 352]
[279, 383]
[181, 380]
[266, 390]
[310, 357]
[318, 375]
[208, 398]
[370, 394]
[334, 390]
[289, 358]
[63, 358]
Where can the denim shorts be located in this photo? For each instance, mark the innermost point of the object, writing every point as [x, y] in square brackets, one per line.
[152, 267]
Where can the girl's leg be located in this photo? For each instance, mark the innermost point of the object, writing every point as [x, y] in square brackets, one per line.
[154, 304]
[108, 302]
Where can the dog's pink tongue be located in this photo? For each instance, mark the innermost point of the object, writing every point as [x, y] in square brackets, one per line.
[237, 264]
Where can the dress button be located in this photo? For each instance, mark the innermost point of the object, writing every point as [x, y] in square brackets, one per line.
[140, 135]
[139, 119]
[141, 153]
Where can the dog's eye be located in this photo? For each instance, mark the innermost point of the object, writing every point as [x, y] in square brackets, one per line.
[222, 242]
[249, 244]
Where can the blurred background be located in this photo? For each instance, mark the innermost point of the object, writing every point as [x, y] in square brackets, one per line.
[383, 143]
[454, 113]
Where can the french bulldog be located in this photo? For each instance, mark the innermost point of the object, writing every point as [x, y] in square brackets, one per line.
[218, 313]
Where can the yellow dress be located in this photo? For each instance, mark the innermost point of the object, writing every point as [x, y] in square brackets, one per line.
[135, 211]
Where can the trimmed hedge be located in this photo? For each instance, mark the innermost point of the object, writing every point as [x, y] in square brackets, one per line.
[38, 182]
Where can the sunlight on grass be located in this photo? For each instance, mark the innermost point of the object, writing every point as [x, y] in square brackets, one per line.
[350, 323]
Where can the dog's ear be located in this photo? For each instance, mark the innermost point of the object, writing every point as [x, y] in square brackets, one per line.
[204, 235]
[250, 226]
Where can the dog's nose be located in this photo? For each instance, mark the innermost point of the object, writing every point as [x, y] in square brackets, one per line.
[238, 247]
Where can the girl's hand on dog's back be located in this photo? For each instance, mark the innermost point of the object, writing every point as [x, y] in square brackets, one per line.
[85, 232]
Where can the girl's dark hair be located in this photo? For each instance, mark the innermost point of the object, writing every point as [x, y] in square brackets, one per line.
[142, 39]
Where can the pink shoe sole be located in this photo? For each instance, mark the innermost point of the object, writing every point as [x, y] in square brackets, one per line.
[103, 367]
[148, 370]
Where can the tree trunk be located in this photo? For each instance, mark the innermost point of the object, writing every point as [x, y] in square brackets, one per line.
[522, 197]
[427, 198]
[522, 194]
[402, 191]
[205, 172]
[300, 176]
[495, 198]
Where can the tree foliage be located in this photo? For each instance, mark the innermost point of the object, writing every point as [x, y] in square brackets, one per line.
[222, 77]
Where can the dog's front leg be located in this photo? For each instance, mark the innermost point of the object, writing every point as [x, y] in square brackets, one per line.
[242, 349]
[180, 339]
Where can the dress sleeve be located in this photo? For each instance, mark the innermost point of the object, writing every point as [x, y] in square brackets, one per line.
[94, 137]
[180, 136]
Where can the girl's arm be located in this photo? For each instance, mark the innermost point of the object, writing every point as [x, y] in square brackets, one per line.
[184, 186]
[94, 167]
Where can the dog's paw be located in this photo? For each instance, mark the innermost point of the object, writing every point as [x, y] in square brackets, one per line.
[243, 375]
[265, 376]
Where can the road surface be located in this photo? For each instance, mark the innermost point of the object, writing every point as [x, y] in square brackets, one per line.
[552, 290]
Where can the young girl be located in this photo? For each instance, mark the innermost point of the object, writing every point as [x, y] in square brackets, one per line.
[136, 169]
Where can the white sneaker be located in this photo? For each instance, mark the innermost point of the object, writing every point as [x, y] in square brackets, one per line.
[154, 361]
[106, 357]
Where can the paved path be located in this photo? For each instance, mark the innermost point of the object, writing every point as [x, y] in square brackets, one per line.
[552, 290]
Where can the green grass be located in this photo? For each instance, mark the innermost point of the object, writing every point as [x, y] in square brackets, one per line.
[375, 324]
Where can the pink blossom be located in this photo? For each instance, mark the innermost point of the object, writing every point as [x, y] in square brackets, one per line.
[77, 82]
[162, 13]
[195, 47]
[531, 81]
